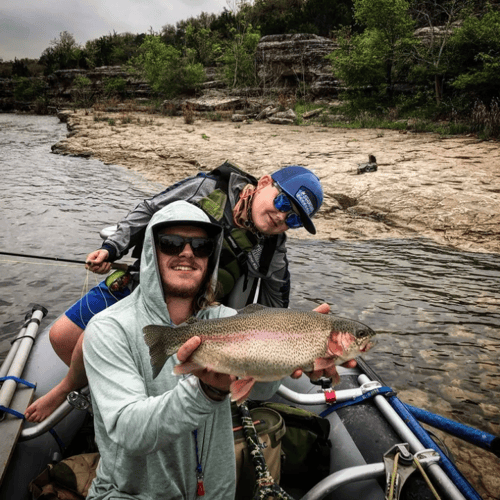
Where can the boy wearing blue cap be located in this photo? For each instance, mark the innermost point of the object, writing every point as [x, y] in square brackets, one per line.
[253, 266]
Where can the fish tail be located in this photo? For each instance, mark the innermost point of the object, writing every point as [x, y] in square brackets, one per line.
[241, 388]
[159, 352]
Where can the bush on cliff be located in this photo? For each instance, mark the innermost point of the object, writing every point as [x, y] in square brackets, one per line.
[166, 69]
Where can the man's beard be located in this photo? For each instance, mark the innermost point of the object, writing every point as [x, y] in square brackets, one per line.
[182, 292]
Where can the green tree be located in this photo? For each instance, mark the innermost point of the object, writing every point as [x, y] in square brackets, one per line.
[113, 49]
[431, 54]
[29, 89]
[239, 51]
[64, 53]
[167, 70]
[374, 56]
[20, 68]
[476, 56]
[205, 43]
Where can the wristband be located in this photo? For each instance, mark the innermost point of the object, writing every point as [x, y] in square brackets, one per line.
[217, 392]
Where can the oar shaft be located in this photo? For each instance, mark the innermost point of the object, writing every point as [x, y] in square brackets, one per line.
[23, 351]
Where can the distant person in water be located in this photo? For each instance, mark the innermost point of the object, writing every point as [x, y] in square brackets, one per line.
[255, 214]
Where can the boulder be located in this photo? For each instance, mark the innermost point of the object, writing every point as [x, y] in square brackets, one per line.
[313, 112]
[215, 103]
[280, 121]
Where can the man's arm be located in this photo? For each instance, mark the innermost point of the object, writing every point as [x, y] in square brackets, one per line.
[130, 230]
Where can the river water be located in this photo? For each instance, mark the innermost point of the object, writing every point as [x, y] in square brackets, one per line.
[436, 310]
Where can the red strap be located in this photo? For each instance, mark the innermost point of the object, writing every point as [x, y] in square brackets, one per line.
[200, 491]
[330, 397]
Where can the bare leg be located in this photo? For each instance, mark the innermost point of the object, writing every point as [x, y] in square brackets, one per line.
[75, 379]
[64, 335]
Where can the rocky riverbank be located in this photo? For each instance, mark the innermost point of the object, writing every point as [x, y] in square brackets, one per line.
[446, 189]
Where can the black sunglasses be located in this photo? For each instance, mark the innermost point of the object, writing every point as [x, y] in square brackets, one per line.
[172, 244]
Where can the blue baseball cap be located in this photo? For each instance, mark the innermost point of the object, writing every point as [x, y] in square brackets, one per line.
[305, 190]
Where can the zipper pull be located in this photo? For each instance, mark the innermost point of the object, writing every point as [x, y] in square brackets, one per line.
[200, 490]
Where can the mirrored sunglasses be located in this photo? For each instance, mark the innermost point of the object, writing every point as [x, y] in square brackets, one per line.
[283, 204]
[172, 244]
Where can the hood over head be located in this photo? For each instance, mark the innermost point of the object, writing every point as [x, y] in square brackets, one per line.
[179, 213]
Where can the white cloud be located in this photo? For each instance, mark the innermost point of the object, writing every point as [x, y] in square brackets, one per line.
[28, 26]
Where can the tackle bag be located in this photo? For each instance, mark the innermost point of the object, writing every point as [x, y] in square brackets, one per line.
[270, 428]
[69, 479]
[306, 446]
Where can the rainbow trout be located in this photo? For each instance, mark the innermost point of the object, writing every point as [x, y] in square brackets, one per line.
[260, 344]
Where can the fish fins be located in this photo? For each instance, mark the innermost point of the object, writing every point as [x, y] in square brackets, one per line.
[252, 308]
[321, 364]
[241, 388]
[154, 337]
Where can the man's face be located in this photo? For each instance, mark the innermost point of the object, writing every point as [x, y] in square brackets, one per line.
[182, 275]
[266, 217]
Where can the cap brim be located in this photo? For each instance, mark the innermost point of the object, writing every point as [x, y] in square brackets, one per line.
[212, 230]
[306, 220]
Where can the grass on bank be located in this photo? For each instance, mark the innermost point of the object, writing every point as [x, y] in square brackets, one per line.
[482, 122]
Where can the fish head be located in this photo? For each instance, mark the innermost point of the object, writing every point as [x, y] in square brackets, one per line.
[348, 339]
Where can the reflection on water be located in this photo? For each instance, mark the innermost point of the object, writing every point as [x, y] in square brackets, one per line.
[436, 310]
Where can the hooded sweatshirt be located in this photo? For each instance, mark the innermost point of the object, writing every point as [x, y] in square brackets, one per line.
[144, 427]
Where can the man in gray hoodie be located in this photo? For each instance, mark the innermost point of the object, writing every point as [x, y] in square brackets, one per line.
[167, 437]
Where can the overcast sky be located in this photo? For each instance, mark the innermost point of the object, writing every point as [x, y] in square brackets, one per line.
[28, 26]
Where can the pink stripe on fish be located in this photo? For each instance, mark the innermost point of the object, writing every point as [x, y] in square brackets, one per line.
[246, 336]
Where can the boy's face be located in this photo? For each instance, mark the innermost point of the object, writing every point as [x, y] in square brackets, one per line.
[266, 217]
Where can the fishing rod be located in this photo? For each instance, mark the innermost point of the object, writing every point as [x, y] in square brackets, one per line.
[114, 265]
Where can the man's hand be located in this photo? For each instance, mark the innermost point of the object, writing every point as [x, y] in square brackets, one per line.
[330, 372]
[97, 262]
[219, 381]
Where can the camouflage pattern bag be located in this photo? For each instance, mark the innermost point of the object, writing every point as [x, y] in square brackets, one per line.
[69, 479]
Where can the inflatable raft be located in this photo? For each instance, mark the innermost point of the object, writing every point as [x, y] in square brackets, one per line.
[378, 448]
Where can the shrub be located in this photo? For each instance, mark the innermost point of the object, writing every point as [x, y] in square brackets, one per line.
[167, 70]
[28, 89]
[115, 86]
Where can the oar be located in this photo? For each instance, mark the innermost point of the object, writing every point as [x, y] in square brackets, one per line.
[114, 265]
[14, 400]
